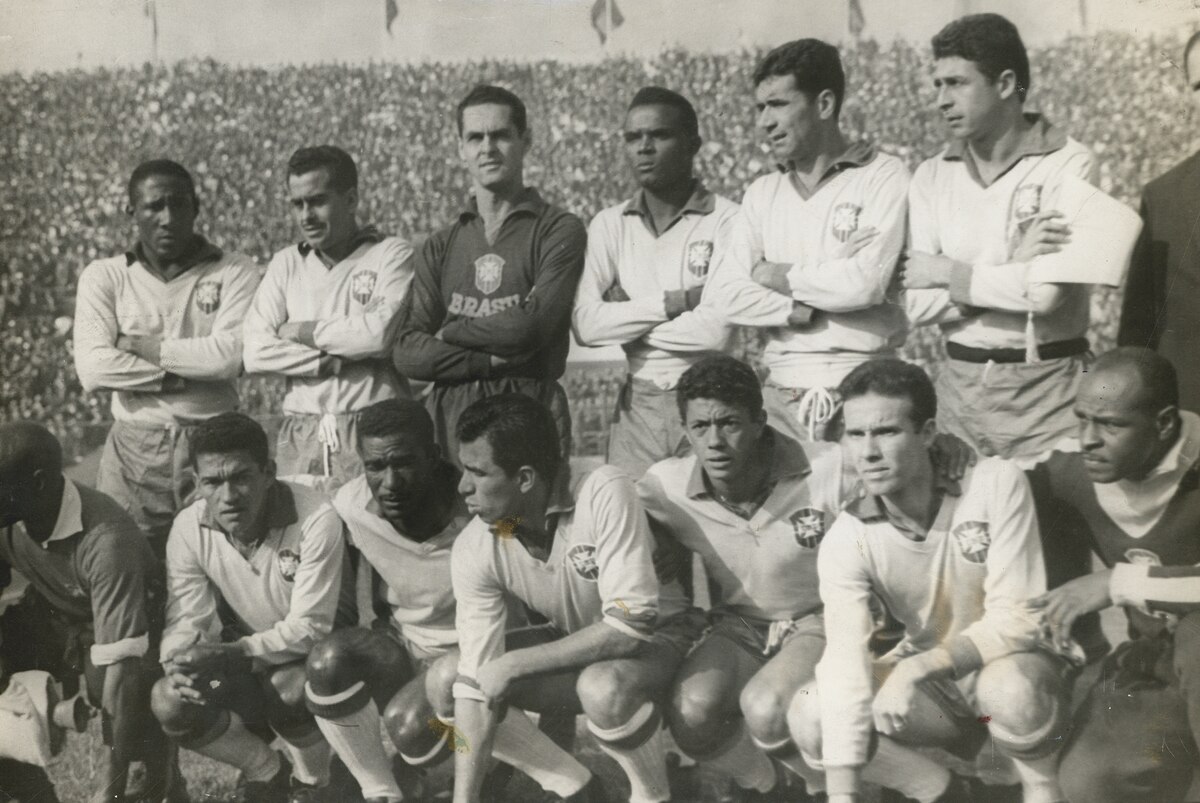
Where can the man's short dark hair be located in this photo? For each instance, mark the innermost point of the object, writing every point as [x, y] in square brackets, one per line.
[159, 167]
[721, 378]
[519, 429]
[1158, 378]
[230, 432]
[26, 447]
[989, 40]
[395, 416]
[893, 379]
[1192, 41]
[661, 96]
[343, 173]
[487, 93]
[814, 65]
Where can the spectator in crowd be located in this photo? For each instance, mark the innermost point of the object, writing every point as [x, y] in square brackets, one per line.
[161, 326]
[647, 265]
[319, 317]
[1159, 309]
[491, 299]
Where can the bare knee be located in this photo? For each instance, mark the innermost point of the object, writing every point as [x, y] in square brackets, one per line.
[804, 720]
[407, 722]
[608, 698]
[439, 684]
[331, 666]
[697, 715]
[764, 707]
[176, 716]
[1019, 693]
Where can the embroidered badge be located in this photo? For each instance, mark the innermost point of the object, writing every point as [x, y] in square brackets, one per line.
[699, 254]
[845, 220]
[809, 524]
[289, 562]
[973, 540]
[208, 296]
[489, 269]
[362, 285]
[583, 560]
[1027, 202]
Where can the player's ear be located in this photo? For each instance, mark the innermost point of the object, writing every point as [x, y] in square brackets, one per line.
[526, 478]
[928, 432]
[1006, 84]
[352, 197]
[827, 104]
[1166, 421]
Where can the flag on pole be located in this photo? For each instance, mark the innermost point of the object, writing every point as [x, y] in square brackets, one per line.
[389, 14]
[150, 9]
[1083, 15]
[606, 18]
[855, 18]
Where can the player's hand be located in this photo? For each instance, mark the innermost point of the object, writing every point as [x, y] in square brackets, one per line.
[857, 241]
[894, 703]
[1047, 234]
[951, 455]
[772, 275]
[1063, 605]
[920, 270]
[148, 347]
[498, 361]
[615, 293]
[495, 678]
[671, 560]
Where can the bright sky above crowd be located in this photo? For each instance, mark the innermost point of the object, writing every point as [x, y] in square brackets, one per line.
[61, 34]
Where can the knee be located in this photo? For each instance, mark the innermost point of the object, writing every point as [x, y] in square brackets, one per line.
[693, 716]
[1017, 694]
[439, 684]
[764, 706]
[406, 723]
[285, 688]
[176, 716]
[608, 700]
[331, 666]
[804, 721]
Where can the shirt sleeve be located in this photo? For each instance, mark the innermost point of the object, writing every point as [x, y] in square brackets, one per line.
[265, 352]
[358, 336]
[624, 556]
[416, 352]
[98, 362]
[1145, 298]
[844, 678]
[1156, 589]
[480, 612]
[191, 599]
[217, 355]
[742, 300]
[1015, 573]
[315, 593]
[117, 568]
[524, 329]
[848, 284]
[930, 306]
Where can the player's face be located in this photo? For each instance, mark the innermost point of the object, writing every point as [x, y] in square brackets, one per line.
[165, 215]
[969, 102]
[234, 487]
[1118, 436]
[1193, 74]
[789, 119]
[399, 469]
[491, 146]
[490, 493]
[324, 214]
[659, 149]
[724, 437]
[887, 448]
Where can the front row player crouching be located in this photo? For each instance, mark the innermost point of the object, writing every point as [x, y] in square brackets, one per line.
[955, 564]
[254, 572]
[1133, 492]
[402, 516]
[584, 560]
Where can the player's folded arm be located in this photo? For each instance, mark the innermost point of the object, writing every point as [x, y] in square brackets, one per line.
[263, 351]
[363, 334]
[217, 355]
[99, 364]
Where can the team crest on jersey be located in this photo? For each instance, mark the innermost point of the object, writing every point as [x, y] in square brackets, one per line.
[208, 296]
[583, 560]
[845, 220]
[489, 269]
[698, 256]
[1142, 557]
[809, 525]
[973, 540]
[289, 562]
[362, 285]
[1027, 202]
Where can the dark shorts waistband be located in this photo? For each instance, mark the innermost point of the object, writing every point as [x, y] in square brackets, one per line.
[1047, 351]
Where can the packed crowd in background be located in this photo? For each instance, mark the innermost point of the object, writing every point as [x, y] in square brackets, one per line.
[71, 138]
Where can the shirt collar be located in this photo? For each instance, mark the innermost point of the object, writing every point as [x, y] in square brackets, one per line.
[281, 510]
[530, 202]
[1186, 451]
[562, 500]
[365, 234]
[868, 508]
[205, 252]
[787, 460]
[1041, 138]
[70, 514]
[700, 202]
[857, 154]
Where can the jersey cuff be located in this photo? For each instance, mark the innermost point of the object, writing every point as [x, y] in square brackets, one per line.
[964, 654]
[108, 654]
[1125, 585]
[626, 628]
[466, 688]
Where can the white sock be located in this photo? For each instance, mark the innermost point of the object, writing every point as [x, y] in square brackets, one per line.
[240, 748]
[746, 764]
[786, 754]
[357, 739]
[519, 743]
[906, 771]
[310, 762]
[1039, 779]
[645, 764]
